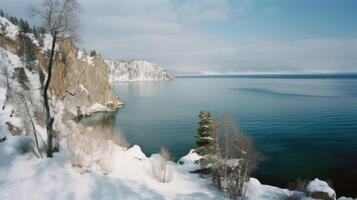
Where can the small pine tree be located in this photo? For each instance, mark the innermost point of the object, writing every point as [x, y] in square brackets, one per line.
[21, 77]
[40, 39]
[207, 141]
[93, 53]
[2, 13]
[34, 31]
[24, 26]
[42, 30]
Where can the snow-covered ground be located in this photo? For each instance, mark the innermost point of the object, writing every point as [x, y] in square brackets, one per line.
[136, 71]
[87, 168]
[113, 173]
[8, 29]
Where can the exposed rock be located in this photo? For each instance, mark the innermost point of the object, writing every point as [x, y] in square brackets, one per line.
[318, 189]
[13, 129]
[80, 81]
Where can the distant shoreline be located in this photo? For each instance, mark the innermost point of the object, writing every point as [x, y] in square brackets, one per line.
[289, 76]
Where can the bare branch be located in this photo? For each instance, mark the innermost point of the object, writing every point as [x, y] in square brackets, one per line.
[60, 18]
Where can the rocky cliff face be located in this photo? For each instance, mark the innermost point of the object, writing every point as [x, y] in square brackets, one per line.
[136, 70]
[79, 81]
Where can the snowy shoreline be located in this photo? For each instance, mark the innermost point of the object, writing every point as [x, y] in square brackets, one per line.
[90, 164]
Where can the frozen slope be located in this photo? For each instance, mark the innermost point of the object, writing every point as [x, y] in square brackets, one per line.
[136, 71]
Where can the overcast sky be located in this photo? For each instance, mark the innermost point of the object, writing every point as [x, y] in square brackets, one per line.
[225, 36]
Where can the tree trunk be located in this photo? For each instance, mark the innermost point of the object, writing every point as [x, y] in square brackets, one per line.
[33, 127]
[50, 119]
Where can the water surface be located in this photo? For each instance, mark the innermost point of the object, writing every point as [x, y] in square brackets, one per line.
[305, 127]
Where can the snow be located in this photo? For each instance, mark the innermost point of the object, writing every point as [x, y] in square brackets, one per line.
[7, 59]
[136, 71]
[188, 162]
[346, 198]
[47, 42]
[84, 57]
[114, 172]
[97, 107]
[233, 163]
[254, 190]
[8, 29]
[83, 89]
[320, 186]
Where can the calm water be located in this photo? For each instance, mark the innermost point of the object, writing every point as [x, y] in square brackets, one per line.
[305, 127]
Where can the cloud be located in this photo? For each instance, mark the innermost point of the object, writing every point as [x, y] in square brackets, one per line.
[203, 11]
[171, 34]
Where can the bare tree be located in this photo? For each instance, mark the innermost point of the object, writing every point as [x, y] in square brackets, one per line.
[5, 72]
[61, 20]
[237, 159]
[32, 125]
[22, 99]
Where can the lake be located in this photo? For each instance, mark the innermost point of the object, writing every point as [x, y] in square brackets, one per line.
[305, 126]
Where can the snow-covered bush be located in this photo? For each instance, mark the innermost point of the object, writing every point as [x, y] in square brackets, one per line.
[92, 147]
[162, 168]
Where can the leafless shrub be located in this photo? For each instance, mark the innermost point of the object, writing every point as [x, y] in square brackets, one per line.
[162, 169]
[89, 146]
[237, 159]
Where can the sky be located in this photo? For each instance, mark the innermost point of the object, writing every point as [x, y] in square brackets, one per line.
[220, 36]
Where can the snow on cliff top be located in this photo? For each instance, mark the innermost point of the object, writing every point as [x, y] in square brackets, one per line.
[8, 29]
[136, 70]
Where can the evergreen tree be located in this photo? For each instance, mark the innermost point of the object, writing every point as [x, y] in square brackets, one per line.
[14, 20]
[93, 53]
[34, 31]
[2, 13]
[42, 30]
[40, 39]
[28, 52]
[207, 141]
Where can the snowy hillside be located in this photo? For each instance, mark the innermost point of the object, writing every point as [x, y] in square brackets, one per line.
[92, 162]
[136, 71]
[8, 29]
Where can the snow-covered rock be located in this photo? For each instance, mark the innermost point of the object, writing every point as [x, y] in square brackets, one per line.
[254, 190]
[320, 190]
[8, 29]
[188, 161]
[136, 70]
[346, 198]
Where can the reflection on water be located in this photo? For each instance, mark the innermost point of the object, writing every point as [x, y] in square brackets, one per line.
[305, 128]
[100, 120]
[142, 88]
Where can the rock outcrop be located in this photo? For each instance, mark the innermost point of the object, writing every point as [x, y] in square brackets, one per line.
[318, 189]
[79, 81]
[82, 82]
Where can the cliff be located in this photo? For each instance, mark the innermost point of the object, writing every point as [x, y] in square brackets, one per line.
[82, 81]
[78, 81]
[136, 71]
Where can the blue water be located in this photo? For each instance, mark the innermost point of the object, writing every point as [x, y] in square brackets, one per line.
[304, 126]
